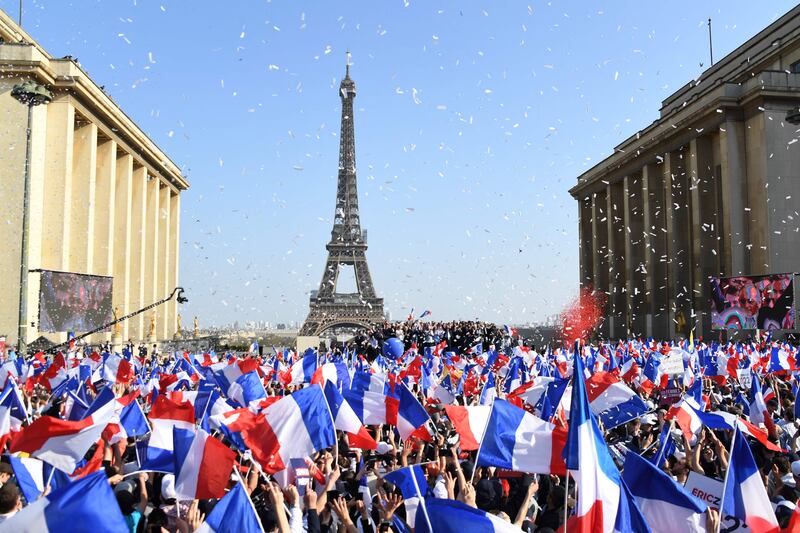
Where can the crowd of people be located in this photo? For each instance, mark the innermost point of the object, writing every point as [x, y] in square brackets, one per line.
[434, 452]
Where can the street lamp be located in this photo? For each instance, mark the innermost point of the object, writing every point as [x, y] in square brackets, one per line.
[31, 94]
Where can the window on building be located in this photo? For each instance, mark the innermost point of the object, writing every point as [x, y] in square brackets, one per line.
[795, 67]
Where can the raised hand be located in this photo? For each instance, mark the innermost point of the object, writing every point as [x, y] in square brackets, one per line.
[468, 495]
[194, 517]
[390, 505]
[340, 508]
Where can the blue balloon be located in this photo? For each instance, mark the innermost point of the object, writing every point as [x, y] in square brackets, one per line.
[393, 347]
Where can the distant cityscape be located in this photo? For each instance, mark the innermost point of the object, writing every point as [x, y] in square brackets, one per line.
[253, 328]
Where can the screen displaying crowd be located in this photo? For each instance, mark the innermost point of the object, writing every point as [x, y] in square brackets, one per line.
[74, 302]
[753, 302]
[416, 426]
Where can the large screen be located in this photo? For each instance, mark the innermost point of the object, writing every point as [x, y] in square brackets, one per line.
[753, 302]
[74, 302]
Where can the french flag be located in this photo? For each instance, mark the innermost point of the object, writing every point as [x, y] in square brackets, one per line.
[234, 513]
[294, 427]
[589, 462]
[412, 484]
[301, 371]
[652, 375]
[686, 417]
[744, 495]
[164, 416]
[345, 419]
[246, 389]
[228, 374]
[372, 408]
[12, 413]
[517, 440]
[489, 391]
[62, 443]
[336, 372]
[758, 406]
[629, 369]
[470, 423]
[612, 401]
[203, 465]
[716, 367]
[366, 381]
[410, 413]
[663, 502]
[30, 475]
[54, 374]
[725, 420]
[89, 502]
[301, 423]
[781, 361]
[451, 516]
[113, 369]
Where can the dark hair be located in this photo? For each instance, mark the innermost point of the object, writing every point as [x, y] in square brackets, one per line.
[156, 520]
[126, 502]
[9, 497]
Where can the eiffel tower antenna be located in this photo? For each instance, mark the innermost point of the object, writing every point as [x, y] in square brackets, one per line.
[348, 244]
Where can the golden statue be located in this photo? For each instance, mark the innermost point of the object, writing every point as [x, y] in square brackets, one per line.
[196, 327]
[118, 325]
[178, 329]
[153, 325]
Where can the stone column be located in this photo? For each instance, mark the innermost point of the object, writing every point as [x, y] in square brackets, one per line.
[122, 262]
[679, 284]
[138, 251]
[81, 219]
[586, 242]
[37, 217]
[104, 200]
[600, 254]
[163, 288]
[616, 259]
[174, 249]
[735, 260]
[783, 192]
[151, 288]
[58, 184]
[655, 253]
[634, 253]
[704, 258]
[757, 186]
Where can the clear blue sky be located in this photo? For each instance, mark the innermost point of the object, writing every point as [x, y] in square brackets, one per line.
[472, 122]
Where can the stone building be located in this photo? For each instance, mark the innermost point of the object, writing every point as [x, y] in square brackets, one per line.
[711, 187]
[104, 199]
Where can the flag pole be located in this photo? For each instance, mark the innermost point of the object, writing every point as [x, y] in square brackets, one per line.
[472, 476]
[421, 498]
[50, 477]
[725, 482]
[333, 425]
[566, 500]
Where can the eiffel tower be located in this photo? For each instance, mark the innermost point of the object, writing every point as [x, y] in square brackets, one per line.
[348, 244]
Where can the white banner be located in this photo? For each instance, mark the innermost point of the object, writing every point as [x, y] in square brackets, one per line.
[745, 377]
[710, 492]
[673, 363]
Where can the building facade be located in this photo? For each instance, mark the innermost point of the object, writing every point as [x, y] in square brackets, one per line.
[710, 188]
[104, 199]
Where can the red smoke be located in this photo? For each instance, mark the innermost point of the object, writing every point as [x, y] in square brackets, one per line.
[580, 318]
